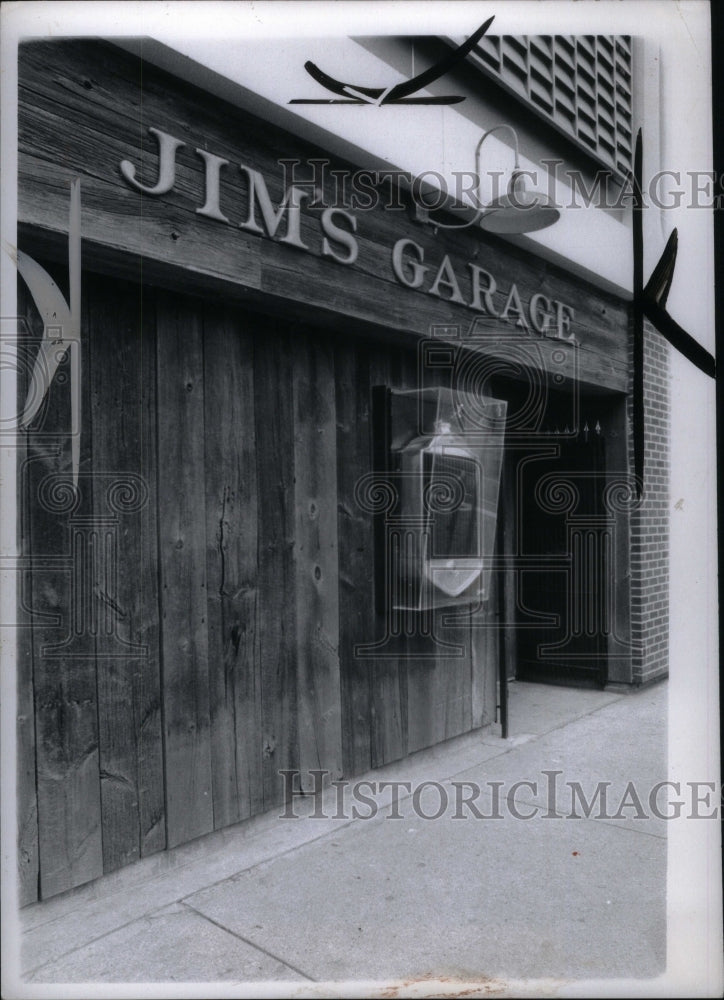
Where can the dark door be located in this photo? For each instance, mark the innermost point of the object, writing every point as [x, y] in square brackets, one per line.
[565, 586]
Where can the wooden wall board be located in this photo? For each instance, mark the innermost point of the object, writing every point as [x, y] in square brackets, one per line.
[27, 799]
[182, 555]
[276, 626]
[356, 552]
[120, 368]
[316, 557]
[231, 563]
[64, 676]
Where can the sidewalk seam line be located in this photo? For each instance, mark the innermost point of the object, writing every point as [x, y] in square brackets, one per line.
[251, 944]
[85, 944]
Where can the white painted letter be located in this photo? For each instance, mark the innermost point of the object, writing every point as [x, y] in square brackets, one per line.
[211, 208]
[446, 276]
[488, 292]
[291, 203]
[541, 313]
[418, 272]
[564, 315]
[513, 302]
[339, 236]
[167, 147]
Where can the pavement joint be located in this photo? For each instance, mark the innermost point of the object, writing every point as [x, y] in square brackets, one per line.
[248, 941]
[32, 970]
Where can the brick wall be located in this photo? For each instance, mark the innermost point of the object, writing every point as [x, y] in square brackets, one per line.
[650, 523]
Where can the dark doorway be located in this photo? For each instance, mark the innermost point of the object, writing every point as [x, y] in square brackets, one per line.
[565, 584]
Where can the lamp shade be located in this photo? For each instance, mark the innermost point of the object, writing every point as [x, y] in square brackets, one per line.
[520, 210]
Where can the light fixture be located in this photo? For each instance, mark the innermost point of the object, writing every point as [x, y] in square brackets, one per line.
[520, 210]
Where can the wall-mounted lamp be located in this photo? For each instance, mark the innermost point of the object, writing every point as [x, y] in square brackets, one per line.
[520, 210]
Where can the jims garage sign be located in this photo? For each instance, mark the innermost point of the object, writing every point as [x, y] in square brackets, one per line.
[199, 196]
[476, 288]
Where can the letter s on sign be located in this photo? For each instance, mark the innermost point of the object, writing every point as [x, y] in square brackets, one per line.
[341, 236]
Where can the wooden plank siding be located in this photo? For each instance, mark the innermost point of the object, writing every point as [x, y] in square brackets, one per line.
[316, 558]
[358, 622]
[485, 653]
[64, 674]
[120, 369]
[276, 627]
[182, 556]
[388, 673]
[437, 688]
[27, 799]
[249, 575]
[231, 565]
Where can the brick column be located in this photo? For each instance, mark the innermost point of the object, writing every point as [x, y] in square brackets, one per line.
[650, 523]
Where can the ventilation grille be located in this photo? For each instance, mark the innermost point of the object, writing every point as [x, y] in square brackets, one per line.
[582, 83]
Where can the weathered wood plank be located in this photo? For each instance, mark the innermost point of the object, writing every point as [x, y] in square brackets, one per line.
[484, 647]
[480, 659]
[67, 754]
[276, 632]
[231, 564]
[455, 672]
[424, 679]
[316, 557]
[356, 552]
[388, 673]
[27, 801]
[157, 234]
[148, 718]
[425, 703]
[120, 368]
[438, 689]
[182, 548]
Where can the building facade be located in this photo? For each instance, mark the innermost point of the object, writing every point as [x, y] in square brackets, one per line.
[213, 533]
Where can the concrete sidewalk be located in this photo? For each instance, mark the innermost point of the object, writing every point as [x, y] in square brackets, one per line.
[490, 898]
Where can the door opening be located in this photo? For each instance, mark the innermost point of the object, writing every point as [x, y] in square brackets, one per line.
[565, 585]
